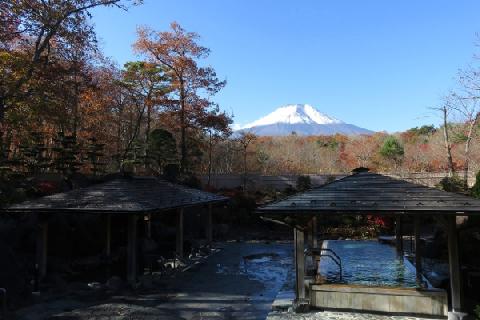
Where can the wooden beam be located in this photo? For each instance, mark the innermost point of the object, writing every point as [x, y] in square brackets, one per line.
[418, 251]
[314, 232]
[298, 236]
[398, 235]
[42, 248]
[132, 250]
[453, 259]
[209, 225]
[179, 234]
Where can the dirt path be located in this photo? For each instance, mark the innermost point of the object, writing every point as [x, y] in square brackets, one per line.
[239, 282]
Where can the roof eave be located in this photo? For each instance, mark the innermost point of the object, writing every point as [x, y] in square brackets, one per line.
[367, 212]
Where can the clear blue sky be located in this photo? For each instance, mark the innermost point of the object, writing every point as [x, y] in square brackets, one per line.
[375, 63]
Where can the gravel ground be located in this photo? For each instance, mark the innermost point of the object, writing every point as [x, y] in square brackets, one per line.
[239, 282]
[326, 315]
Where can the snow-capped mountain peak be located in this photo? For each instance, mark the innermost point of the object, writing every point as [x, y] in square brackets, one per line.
[301, 119]
[294, 114]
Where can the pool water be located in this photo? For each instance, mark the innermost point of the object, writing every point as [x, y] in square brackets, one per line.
[367, 263]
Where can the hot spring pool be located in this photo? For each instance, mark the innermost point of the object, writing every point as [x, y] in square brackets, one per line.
[368, 263]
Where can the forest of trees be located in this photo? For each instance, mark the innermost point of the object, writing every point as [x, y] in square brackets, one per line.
[66, 108]
[415, 150]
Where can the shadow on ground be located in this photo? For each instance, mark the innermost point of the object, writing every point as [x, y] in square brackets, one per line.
[239, 282]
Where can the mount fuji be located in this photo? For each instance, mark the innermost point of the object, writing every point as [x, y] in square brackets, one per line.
[303, 119]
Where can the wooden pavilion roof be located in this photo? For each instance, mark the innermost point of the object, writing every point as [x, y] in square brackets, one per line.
[121, 195]
[371, 193]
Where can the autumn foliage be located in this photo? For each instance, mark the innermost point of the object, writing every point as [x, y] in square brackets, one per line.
[409, 151]
[66, 108]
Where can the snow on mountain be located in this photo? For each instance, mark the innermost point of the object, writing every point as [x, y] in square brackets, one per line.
[303, 119]
[294, 114]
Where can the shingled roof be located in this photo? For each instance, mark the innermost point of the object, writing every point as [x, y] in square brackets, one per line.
[126, 194]
[370, 193]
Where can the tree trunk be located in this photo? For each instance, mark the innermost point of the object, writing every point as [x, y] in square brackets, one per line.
[245, 169]
[149, 121]
[147, 131]
[2, 127]
[467, 151]
[210, 147]
[3, 107]
[75, 101]
[119, 141]
[465, 172]
[133, 135]
[451, 169]
[183, 143]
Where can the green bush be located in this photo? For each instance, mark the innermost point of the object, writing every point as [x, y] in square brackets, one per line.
[392, 149]
[451, 184]
[477, 312]
[303, 183]
[476, 187]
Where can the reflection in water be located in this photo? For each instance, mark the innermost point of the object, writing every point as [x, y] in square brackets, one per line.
[266, 267]
[368, 263]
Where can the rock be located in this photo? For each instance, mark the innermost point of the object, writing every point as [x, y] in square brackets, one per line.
[174, 263]
[301, 307]
[95, 285]
[115, 283]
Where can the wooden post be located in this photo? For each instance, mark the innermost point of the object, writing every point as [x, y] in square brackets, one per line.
[209, 225]
[312, 233]
[148, 219]
[108, 242]
[108, 245]
[454, 263]
[418, 250]
[309, 234]
[299, 264]
[399, 235]
[179, 237]
[42, 248]
[132, 250]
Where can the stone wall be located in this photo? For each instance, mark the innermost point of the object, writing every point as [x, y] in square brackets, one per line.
[430, 179]
[280, 182]
[429, 302]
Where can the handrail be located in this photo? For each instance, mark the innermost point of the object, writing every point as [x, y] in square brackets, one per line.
[332, 252]
[311, 251]
[334, 256]
[336, 262]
